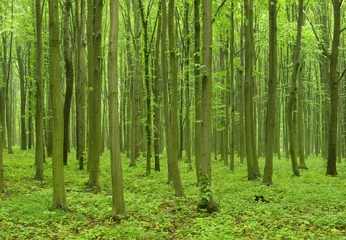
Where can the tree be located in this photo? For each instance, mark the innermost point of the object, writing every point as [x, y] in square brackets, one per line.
[39, 156]
[94, 148]
[2, 137]
[248, 92]
[231, 83]
[80, 83]
[207, 202]
[118, 203]
[198, 89]
[59, 198]
[68, 75]
[157, 91]
[178, 188]
[22, 98]
[292, 94]
[135, 127]
[146, 51]
[187, 83]
[334, 84]
[272, 98]
[165, 90]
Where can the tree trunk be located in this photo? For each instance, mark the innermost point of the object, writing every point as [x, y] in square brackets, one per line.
[135, 127]
[39, 156]
[147, 84]
[2, 138]
[6, 80]
[118, 203]
[205, 163]
[231, 99]
[90, 43]
[157, 93]
[94, 149]
[293, 89]
[59, 198]
[272, 98]
[165, 91]
[301, 144]
[198, 90]
[334, 84]
[187, 86]
[80, 84]
[178, 188]
[22, 98]
[68, 75]
[248, 6]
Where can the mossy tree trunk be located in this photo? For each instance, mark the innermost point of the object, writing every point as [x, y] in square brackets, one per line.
[146, 51]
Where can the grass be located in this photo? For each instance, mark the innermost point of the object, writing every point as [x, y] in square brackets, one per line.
[309, 207]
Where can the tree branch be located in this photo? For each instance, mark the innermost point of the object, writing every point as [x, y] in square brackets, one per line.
[218, 10]
[342, 75]
[324, 49]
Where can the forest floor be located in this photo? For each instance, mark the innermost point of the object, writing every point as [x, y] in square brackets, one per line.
[308, 207]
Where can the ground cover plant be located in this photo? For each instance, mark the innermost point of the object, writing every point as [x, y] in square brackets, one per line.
[308, 207]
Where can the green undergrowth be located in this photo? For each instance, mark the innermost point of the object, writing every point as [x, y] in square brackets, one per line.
[308, 207]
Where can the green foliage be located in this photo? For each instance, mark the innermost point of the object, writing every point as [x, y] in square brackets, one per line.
[204, 191]
[309, 207]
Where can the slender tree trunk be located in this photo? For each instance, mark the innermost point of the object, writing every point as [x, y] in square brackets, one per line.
[198, 90]
[232, 104]
[147, 83]
[90, 43]
[39, 156]
[135, 127]
[272, 98]
[325, 27]
[178, 188]
[157, 93]
[292, 94]
[248, 4]
[118, 203]
[224, 95]
[334, 84]
[22, 98]
[2, 138]
[94, 149]
[80, 84]
[301, 144]
[187, 86]
[6, 77]
[68, 75]
[242, 136]
[165, 91]
[59, 198]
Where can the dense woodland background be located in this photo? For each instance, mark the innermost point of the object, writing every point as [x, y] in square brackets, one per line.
[180, 80]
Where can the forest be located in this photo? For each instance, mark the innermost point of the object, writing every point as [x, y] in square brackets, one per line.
[172, 119]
